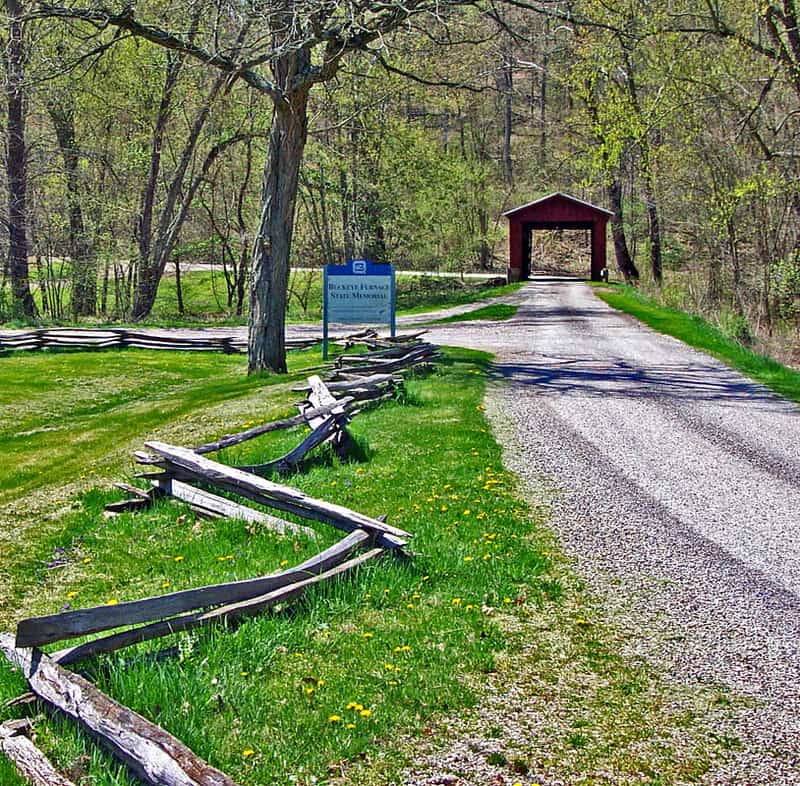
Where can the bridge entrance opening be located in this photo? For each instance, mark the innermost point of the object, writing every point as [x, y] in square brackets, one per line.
[555, 212]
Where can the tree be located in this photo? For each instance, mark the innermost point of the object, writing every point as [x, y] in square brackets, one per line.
[300, 43]
[16, 161]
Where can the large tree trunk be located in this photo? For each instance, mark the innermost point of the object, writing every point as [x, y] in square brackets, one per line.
[270, 270]
[84, 266]
[625, 264]
[16, 163]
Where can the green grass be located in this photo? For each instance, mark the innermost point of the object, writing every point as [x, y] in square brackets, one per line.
[699, 333]
[406, 641]
[495, 312]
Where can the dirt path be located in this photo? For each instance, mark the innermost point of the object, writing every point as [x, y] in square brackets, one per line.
[677, 492]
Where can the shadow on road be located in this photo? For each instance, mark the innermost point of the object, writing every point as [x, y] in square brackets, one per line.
[620, 379]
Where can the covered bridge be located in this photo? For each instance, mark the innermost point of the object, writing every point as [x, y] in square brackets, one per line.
[556, 211]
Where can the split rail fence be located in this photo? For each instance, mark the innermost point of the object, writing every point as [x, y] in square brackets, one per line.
[188, 475]
[123, 338]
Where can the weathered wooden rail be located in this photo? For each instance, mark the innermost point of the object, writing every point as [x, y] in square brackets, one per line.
[153, 755]
[124, 338]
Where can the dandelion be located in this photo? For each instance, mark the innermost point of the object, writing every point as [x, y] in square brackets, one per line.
[179, 558]
[444, 508]
[456, 601]
[71, 594]
[350, 726]
[334, 718]
[359, 470]
[506, 599]
[403, 648]
[87, 560]
[244, 673]
[467, 559]
[365, 713]
[426, 578]
[164, 584]
[284, 563]
[369, 635]
[389, 667]
[320, 683]
[354, 705]
[248, 753]
[409, 605]
[416, 596]
[308, 691]
[112, 602]
[469, 607]
[393, 682]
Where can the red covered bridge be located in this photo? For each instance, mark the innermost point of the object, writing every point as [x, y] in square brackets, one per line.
[556, 211]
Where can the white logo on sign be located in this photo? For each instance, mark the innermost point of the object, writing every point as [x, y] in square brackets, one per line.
[359, 266]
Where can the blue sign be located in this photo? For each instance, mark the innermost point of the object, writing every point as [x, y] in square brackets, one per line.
[358, 293]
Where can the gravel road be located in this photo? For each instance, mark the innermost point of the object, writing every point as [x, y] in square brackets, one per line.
[678, 494]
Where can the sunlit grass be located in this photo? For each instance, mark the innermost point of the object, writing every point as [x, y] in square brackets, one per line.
[397, 640]
[290, 697]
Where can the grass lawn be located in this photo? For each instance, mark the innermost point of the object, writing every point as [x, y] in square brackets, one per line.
[292, 696]
[699, 333]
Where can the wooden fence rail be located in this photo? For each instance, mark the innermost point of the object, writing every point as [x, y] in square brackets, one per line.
[154, 755]
[124, 338]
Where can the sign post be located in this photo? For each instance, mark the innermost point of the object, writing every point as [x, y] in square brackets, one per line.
[360, 292]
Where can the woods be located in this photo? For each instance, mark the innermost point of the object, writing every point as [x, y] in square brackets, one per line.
[399, 131]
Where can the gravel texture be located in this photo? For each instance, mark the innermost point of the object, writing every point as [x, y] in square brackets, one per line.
[675, 486]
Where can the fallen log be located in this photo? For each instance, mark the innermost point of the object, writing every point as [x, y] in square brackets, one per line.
[212, 505]
[274, 495]
[30, 762]
[36, 631]
[151, 753]
[227, 613]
